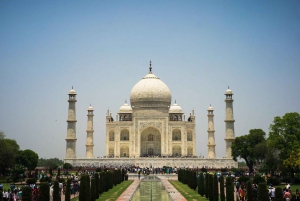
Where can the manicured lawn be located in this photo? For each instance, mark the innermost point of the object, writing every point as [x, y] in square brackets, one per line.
[186, 192]
[113, 193]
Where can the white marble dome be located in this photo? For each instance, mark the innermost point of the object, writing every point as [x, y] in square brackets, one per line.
[72, 91]
[150, 92]
[228, 91]
[175, 108]
[125, 108]
[90, 108]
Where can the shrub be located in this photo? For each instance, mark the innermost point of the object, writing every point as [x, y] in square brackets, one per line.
[229, 189]
[61, 180]
[1, 195]
[215, 188]
[211, 187]
[45, 179]
[273, 180]
[56, 195]
[27, 193]
[30, 181]
[263, 193]
[243, 179]
[97, 185]
[44, 191]
[203, 170]
[93, 189]
[58, 172]
[201, 185]
[83, 188]
[278, 194]
[206, 186]
[222, 193]
[249, 191]
[258, 179]
[68, 190]
[88, 188]
[67, 166]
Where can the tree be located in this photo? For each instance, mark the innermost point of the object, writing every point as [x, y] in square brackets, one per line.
[215, 188]
[262, 194]
[211, 187]
[201, 186]
[8, 152]
[206, 186]
[2, 135]
[56, 195]
[67, 166]
[53, 163]
[17, 170]
[249, 191]
[27, 193]
[44, 191]
[28, 159]
[83, 188]
[93, 189]
[229, 189]
[284, 135]
[222, 193]
[68, 190]
[244, 146]
[278, 194]
[97, 180]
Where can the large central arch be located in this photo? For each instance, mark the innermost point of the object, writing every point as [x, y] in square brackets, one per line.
[150, 142]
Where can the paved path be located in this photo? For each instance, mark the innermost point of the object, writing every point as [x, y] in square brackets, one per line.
[174, 194]
[63, 197]
[128, 193]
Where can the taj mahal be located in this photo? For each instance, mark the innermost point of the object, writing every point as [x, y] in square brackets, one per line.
[150, 132]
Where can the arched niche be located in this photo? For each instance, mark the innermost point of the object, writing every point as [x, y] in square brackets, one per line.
[189, 135]
[124, 135]
[190, 151]
[124, 151]
[176, 135]
[111, 135]
[176, 151]
[150, 142]
[111, 151]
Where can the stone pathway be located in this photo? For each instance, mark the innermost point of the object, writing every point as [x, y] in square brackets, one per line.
[63, 197]
[174, 194]
[128, 193]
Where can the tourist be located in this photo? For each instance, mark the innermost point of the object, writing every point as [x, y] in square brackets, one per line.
[272, 193]
[287, 195]
[242, 194]
[5, 195]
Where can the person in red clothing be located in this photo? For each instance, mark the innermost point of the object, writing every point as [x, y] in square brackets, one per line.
[242, 194]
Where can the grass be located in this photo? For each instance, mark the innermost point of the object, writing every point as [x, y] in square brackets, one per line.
[113, 193]
[188, 193]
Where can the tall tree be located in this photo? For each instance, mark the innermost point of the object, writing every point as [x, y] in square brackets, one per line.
[93, 189]
[244, 146]
[222, 193]
[229, 189]
[44, 191]
[28, 159]
[249, 191]
[285, 136]
[201, 185]
[68, 190]
[8, 152]
[216, 188]
[56, 195]
[262, 194]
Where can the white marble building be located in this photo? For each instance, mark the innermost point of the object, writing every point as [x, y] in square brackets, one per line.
[150, 131]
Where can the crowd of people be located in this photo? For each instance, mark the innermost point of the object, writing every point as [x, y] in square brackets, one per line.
[241, 192]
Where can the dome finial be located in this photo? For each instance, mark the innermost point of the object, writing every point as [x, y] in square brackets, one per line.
[72, 86]
[125, 101]
[175, 101]
[228, 87]
[150, 68]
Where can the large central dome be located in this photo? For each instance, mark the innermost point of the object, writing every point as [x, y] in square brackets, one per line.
[150, 92]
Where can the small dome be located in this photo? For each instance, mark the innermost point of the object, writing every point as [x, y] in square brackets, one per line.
[210, 108]
[90, 108]
[175, 109]
[72, 91]
[149, 92]
[228, 91]
[125, 108]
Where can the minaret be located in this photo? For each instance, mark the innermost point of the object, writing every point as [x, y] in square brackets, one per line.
[211, 133]
[89, 134]
[71, 133]
[229, 122]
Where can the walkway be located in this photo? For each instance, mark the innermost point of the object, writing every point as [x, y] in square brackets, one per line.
[174, 194]
[128, 193]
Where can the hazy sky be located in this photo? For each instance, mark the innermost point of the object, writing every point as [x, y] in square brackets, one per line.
[103, 48]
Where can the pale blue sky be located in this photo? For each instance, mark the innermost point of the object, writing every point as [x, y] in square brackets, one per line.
[103, 49]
